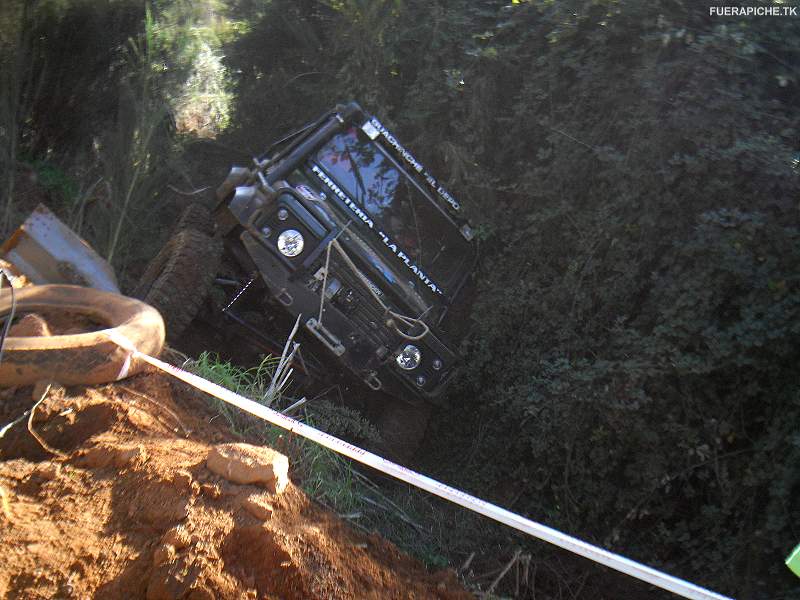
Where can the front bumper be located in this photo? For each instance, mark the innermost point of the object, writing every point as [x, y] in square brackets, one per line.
[353, 327]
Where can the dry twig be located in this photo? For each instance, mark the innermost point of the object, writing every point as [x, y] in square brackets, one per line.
[403, 516]
[185, 193]
[467, 563]
[7, 427]
[35, 435]
[503, 573]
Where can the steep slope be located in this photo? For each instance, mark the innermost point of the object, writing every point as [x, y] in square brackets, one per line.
[123, 506]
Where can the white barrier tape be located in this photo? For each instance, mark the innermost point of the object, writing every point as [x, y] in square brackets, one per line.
[537, 530]
[125, 368]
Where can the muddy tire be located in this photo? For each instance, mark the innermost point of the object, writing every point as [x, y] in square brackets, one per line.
[402, 427]
[78, 358]
[177, 280]
[196, 216]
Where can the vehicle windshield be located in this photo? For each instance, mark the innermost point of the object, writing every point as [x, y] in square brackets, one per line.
[411, 225]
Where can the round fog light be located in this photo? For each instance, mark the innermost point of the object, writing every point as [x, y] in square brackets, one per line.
[437, 364]
[283, 214]
[409, 357]
[290, 242]
[420, 381]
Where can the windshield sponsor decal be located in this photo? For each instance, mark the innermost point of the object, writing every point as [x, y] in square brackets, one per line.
[375, 124]
[365, 218]
[359, 212]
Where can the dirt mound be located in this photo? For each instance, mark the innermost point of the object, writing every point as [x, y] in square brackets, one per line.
[123, 506]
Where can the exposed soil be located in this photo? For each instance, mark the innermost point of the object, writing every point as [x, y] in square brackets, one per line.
[126, 508]
[55, 322]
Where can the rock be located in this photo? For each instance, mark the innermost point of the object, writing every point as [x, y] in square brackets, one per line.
[166, 586]
[200, 593]
[257, 505]
[97, 457]
[125, 455]
[177, 536]
[7, 394]
[229, 489]
[247, 464]
[210, 490]
[163, 514]
[172, 580]
[102, 456]
[48, 470]
[182, 479]
[31, 325]
[39, 388]
[163, 554]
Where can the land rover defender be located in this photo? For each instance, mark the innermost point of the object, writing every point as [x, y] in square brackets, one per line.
[348, 231]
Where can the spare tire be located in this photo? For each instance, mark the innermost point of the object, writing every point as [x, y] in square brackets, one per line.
[78, 358]
[177, 280]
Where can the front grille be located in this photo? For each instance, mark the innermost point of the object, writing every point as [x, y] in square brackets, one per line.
[366, 313]
[368, 317]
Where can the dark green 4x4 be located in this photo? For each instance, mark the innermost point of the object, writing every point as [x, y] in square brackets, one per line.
[340, 226]
[350, 232]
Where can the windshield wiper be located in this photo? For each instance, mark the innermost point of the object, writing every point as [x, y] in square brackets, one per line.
[416, 222]
[358, 178]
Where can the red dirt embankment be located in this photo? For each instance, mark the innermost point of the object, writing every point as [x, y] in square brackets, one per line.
[126, 508]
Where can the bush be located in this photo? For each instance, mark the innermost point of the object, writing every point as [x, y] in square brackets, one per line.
[631, 165]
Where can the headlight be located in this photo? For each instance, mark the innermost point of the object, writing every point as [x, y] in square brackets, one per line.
[409, 358]
[290, 242]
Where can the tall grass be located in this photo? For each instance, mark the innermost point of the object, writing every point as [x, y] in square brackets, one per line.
[253, 383]
[135, 152]
[16, 86]
[326, 476]
[159, 75]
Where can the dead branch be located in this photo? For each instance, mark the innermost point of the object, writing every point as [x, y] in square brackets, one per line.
[467, 563]
[19, 419]
[400, 511]
[402, 515]
[487, 574]
[185, 193]
[35, 435]
[503, 573]
[294, 407]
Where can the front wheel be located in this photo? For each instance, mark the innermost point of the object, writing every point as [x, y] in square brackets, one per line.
[402, 428]
[177, 280]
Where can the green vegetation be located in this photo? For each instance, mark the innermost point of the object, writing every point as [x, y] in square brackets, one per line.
[97, 100]
[632, 374]
[322, 469]
[634, 167]
[253, 383]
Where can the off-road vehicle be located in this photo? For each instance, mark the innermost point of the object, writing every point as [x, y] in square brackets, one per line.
[340, 225]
